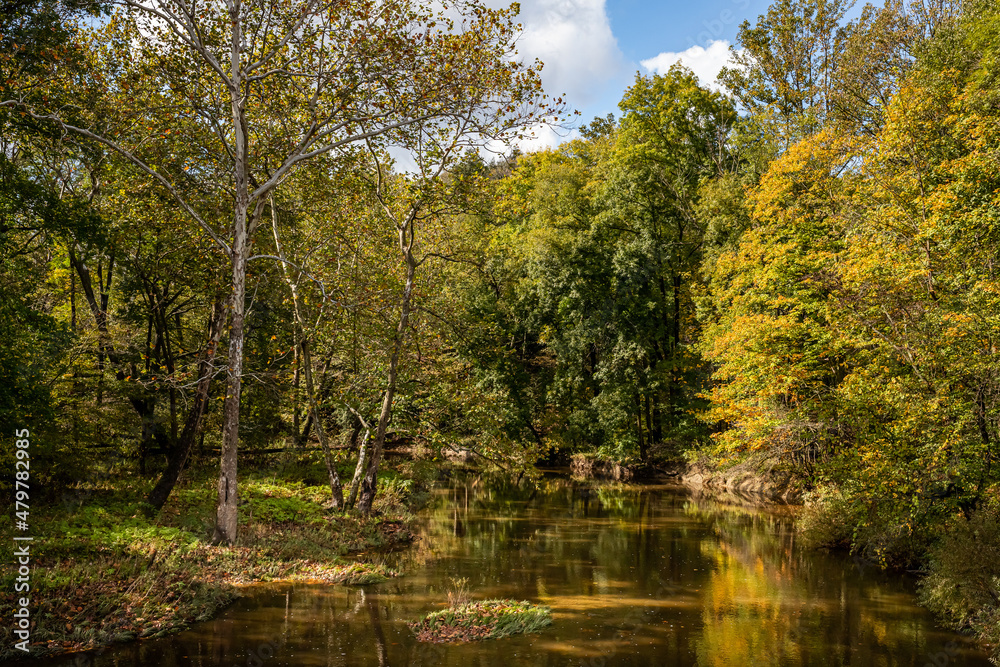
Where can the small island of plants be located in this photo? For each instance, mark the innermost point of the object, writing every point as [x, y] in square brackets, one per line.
[489, 619]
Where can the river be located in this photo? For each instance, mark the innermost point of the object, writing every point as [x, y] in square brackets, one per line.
[635, 575]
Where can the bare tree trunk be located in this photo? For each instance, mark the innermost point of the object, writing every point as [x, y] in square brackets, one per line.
[98, 303]
[183, 445]
[297, 362]
[370, 481]
[226, 516]
[368, 485]
[360, 468]
[226, 512]
[303, 438]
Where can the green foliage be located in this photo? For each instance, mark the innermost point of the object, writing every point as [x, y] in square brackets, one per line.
[963, 583]
[827, 520]
[782, 69]
[776, 353]
[850, 310]
[587, 292]
[35, 339]
[281, 510]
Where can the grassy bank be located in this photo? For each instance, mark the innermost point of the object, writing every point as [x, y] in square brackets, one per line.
[105, 571]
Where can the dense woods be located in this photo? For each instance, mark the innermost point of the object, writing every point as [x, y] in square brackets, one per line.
[213, 248]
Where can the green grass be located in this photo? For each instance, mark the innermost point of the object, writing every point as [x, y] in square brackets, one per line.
[489, 619]
[107, 570]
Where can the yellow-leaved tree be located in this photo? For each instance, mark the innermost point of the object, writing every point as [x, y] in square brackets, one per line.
[776, 353]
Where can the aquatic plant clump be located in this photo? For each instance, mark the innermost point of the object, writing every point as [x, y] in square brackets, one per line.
[489, 619]
[355, 574]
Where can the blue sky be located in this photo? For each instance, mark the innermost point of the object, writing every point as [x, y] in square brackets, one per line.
[593, 48]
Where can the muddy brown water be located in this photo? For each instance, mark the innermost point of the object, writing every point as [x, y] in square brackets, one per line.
[635, 575]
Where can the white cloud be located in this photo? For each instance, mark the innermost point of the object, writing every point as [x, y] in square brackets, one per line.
[581, 57]
[573, 39]
[705, 63]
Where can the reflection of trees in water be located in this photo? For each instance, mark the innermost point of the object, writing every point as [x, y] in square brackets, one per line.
[751, 534]
[558, 534]
[768, 602]
[641, 575]
[765, 601]
[371, 602]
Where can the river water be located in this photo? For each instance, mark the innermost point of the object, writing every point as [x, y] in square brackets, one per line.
[635, 575]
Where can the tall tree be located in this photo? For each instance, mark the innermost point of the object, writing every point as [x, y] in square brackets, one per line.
[675, 135]
[35, 38]
[782, 71]
[594, 252]
[279, 84]
[776, 352]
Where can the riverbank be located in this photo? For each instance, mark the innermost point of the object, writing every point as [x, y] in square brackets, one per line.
[692, 581]
[747, 481]
[743, 480]
[104, 572]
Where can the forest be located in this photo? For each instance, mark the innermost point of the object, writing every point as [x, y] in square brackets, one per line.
[235, 234]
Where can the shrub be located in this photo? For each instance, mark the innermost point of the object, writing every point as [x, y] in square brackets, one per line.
[826, 519]
[963, 585]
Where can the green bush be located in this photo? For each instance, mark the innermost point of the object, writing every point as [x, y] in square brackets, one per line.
[281, 510]
[826, 519]
[893, 533]
[963, 585]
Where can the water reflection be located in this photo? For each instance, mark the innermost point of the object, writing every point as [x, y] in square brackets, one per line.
[635, 576]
